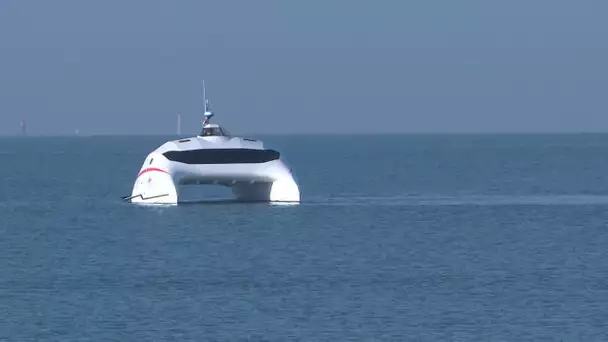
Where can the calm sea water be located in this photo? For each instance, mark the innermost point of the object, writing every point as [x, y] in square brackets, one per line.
[408, 238]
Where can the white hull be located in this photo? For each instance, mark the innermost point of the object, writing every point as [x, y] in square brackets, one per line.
[160, 178]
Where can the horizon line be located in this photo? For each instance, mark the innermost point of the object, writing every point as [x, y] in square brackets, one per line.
[81, 135]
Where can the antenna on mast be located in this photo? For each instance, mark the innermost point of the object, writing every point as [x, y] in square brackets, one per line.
[204, 97]
[208, 113]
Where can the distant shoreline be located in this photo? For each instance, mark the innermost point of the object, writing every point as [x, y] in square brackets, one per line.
[314, 134]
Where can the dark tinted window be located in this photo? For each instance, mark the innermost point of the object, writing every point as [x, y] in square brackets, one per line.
[222, 156]
[214, 131]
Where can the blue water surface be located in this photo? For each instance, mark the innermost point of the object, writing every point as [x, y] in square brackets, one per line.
[397, 238]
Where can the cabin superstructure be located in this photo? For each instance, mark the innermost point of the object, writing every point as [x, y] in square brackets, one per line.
[209, 129]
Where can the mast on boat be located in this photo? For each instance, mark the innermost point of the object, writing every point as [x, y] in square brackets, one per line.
[208, 113]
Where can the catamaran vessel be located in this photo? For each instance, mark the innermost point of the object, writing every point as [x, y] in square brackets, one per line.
[253, 172]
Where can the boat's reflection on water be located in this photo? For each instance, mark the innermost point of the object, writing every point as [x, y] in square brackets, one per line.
[219, 201]
[229, 201]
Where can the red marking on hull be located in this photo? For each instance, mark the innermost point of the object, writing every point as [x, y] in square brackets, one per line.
[151, 169]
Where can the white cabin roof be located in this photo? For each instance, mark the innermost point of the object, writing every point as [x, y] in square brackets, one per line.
[197, 143]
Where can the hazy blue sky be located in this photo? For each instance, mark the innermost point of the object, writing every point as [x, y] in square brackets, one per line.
[117, 66]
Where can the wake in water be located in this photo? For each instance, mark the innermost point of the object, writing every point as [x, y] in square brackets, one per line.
[418, 200]
[461, 200]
